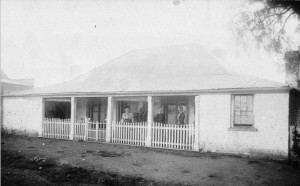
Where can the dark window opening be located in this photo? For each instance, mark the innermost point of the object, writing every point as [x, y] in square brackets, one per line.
[55, 109]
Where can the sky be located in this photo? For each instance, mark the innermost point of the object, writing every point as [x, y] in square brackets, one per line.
[56, 40]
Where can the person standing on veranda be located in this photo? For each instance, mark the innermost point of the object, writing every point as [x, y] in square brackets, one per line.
[127, 116]
[160, 116]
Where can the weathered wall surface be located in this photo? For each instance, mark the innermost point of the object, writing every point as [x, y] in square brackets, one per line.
[271, 121]
[191, 105]
[23, 115]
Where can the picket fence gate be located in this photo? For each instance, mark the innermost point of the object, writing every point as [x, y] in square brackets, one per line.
[80, 130]
[96, 131]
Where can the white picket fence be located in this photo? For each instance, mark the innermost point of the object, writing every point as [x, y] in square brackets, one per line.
[129, 133]
[56, 128]
[169, 136]
[172, 136]
[96, 131]
[80, 131]
[84, 130]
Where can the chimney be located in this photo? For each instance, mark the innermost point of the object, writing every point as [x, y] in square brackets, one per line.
[292, 68]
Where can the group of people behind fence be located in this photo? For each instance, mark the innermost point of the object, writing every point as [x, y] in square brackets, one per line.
[141, 116]
[128, 117]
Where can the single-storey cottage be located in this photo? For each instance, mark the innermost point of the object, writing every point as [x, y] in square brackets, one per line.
[176, 97]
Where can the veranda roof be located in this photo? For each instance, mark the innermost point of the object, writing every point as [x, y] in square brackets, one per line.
[182, 68]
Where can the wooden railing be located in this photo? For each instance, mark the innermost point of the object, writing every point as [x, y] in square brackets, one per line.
[173, 136]
[129, 133]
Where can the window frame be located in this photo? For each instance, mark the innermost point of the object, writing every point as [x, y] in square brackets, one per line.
[237, 127]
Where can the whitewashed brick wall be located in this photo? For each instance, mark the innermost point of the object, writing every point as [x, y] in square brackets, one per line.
[24, 115]
[271, 122]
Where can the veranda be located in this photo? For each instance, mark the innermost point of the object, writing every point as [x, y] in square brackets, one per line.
[99, 119]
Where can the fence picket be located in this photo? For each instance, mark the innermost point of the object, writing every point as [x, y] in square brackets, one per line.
[128, 133]
[55, 128]
[173, 136]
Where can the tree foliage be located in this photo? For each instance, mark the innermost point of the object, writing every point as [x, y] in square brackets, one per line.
[265, 23]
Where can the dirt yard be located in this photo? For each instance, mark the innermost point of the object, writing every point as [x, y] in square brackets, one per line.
[37, 161]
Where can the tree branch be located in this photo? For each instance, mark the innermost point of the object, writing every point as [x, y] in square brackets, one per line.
[282, 28]
[286, 21]
[276, 14]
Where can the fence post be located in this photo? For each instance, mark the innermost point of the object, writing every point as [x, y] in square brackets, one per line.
[42, 130]
[109, 118]
[197, 122]
[149, 121]
[97, 130]
[86, 127]
[73, 117]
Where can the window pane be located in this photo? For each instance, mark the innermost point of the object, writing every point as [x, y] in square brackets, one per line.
[237, 100]
[237, 119]
[243, 99]
[243, 110]
[250, 102]
[237, 108]
[243, 119]
[243, 106]
[243, 102]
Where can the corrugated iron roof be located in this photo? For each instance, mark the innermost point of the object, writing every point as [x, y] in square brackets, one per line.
[175, 68]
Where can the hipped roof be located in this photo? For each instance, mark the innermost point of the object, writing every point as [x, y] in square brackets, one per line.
[180, 68]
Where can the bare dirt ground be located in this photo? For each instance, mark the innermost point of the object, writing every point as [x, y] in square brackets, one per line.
[37, 161]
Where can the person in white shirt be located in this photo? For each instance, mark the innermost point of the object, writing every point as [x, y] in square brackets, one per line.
[127, 116]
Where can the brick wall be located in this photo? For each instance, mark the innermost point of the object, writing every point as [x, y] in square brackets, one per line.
[271, 122]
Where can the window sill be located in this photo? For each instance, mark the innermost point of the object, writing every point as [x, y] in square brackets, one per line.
[250, 129]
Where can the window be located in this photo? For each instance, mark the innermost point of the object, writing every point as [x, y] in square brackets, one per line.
[243, 110]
